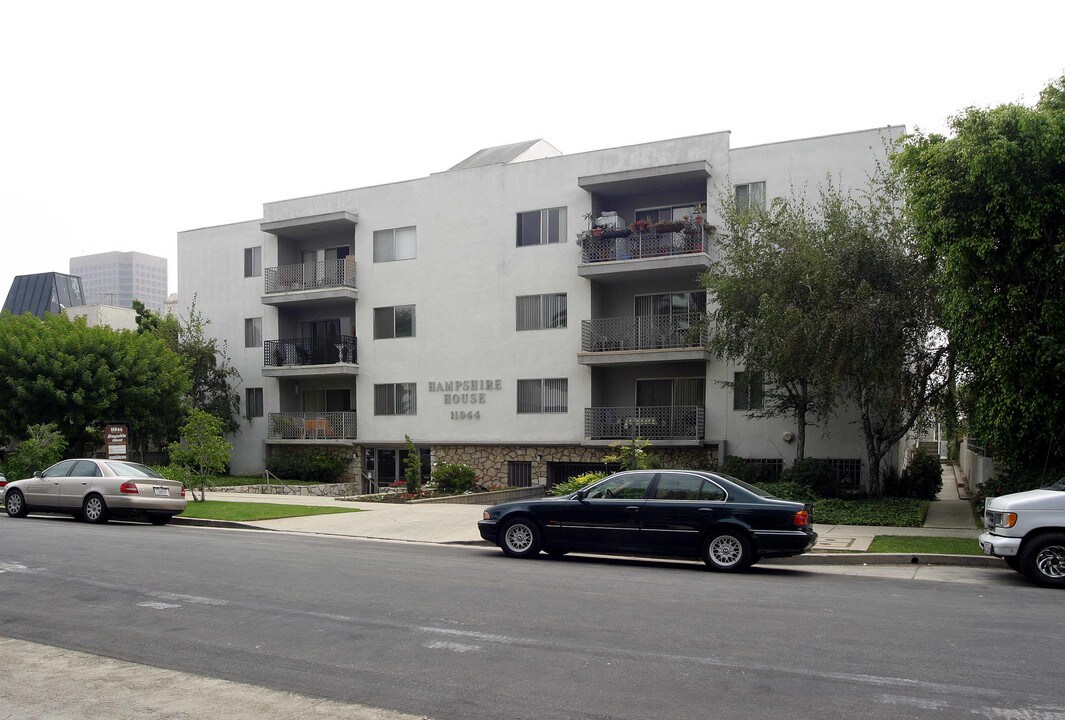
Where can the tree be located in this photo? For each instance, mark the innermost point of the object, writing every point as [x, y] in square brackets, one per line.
[412, 467]
[988, 204]
[202, 449]
[827, 298]
[42, 448]
[210, 372]
[770, 287]
[79, 377]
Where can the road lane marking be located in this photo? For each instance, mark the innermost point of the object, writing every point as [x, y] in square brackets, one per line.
[454, 647]
[194, 599]
[158, 605]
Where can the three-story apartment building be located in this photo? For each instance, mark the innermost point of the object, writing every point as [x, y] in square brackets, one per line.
[475, 311]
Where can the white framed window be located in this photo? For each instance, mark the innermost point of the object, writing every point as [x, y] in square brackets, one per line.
[666, 213]
[395, 399]
[253, 402]
[750, 195]
[393, 322]
[541, 312]
[253, 261]
[395, 244]
[541, 227]
[253, 332]
[747, 391]
[547, 395]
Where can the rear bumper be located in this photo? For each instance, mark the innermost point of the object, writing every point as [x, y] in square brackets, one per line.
[141, 504]
[999, 546]
[783, 543]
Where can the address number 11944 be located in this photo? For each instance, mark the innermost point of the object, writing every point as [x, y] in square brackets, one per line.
[465, 414]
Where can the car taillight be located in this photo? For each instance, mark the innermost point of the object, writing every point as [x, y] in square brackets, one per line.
[129, 488]
[182, 491]
[802, 518]
[3, 482]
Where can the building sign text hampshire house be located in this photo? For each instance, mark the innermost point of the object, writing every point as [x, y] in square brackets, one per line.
[465, 392]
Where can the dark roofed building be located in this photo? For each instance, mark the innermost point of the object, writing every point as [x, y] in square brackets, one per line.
[44, 293]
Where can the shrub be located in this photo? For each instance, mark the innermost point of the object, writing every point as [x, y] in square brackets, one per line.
[891, 512]
[42, 448]
[754, 473]
[312, 468]
[814, 474]
[1011, 480]
[412, 467]
[576, 483]
[177, 473]
[790, 491]
[454, 478]
[922, 478]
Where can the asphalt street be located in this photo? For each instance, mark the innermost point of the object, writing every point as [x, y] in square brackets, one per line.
[461, 632]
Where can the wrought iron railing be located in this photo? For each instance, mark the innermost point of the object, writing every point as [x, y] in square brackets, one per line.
[310, 351]
[667, 422]
[308, 276]
[646, 244]
[311, 426]
[648, 332]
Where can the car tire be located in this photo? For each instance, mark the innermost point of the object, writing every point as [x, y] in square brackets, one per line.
[520, 538]
[727, 551]
[15, 504]
[1013, 563]
[1043, 560]
[94, 509]
[159, 519]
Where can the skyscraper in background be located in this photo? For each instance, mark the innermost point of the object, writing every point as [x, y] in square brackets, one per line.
[118, 278]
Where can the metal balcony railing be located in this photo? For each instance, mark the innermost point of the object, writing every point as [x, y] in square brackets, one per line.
[308, 276]
[647, 244]
[310, 351]
[666, 422]
[312, 426]
[648, 332]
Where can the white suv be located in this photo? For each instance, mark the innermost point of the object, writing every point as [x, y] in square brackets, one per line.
[1027, 530]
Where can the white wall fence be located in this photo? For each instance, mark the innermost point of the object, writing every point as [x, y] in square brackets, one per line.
[976, 466]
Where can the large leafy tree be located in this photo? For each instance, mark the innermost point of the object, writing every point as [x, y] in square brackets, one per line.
[988, 204]
[769, 286]
[212, 376]
[61, 371]
[828, 300]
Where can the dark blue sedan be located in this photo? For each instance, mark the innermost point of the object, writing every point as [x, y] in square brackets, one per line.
[727, 523]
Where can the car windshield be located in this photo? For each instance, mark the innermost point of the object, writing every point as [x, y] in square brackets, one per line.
[748, 487]
[131, 469]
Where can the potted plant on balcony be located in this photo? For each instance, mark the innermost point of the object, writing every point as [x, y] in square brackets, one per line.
[641, 226]
[668, 226]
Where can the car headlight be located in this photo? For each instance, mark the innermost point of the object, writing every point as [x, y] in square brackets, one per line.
[1004, 519]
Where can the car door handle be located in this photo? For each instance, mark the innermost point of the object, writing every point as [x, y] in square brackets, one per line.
[706, 510]
[633, 508]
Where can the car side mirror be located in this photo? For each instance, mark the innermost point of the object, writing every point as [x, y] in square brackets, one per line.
[582, 493]
[38, 474]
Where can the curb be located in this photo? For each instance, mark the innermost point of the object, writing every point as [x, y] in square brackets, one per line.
[979, 561]
[984, 561]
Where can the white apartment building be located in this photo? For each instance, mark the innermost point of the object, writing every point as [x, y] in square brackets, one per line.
[461, 310]
[119, 278]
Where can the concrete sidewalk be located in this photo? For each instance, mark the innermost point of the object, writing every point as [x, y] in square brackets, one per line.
[457, 524]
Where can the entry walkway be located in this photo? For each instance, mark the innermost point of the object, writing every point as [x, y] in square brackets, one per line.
[951, 509]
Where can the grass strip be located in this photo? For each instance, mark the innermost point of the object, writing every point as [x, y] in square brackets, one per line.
[244, 511]
[925, 545]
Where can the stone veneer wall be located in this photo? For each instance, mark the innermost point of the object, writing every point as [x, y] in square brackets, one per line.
[490, 461]
[352, 454]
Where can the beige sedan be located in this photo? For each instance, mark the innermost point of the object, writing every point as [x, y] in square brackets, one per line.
[97, 490]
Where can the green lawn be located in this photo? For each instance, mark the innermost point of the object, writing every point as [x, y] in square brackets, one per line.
[231, 481]
[918, 545]
[241, 511]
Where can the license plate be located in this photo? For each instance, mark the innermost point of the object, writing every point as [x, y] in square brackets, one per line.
[987, 549]
[162, 491]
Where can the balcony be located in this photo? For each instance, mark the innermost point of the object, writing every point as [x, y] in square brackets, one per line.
[617, 253]
[649, 338]
[680, 424]
[311, 427]
[309, 282]
[318, 357]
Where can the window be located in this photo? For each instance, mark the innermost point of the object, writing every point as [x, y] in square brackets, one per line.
[253, 332]
[253, 402]
[395, 244]
[541, 312]
[549, 395]
[671, 392]
[542, 227]
[682, 303]
[395, 399]
[750, 195]
[630, 486]
[519, 473]
[747, 391]
[253, 261]
[676, 486]
[393, 322]
[668, 213]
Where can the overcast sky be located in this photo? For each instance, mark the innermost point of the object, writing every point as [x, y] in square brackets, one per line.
[123, 123]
